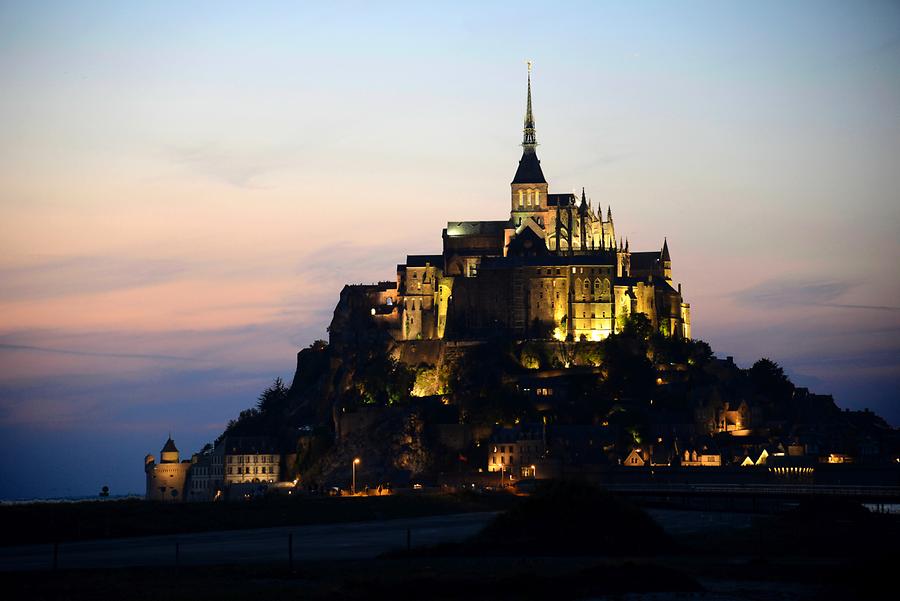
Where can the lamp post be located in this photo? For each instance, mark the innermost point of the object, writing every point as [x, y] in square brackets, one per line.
[353, 468]
[533, 471]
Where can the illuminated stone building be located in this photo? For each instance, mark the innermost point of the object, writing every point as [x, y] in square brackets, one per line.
[250, 459]
[205, 481]
[552, 268]
[166, 479]
[516, 451]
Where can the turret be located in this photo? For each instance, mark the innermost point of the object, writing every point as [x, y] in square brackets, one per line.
[665, 260]
[169, 453]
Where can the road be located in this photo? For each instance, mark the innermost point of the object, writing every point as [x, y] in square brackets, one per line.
[330, 541]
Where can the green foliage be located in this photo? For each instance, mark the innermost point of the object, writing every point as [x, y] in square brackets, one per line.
[477, 383]
[628, 373]
[664, 329]
[637, 326]
[379, 380]
[590, 353]
[666, 350]
[533, 355]
[272, 400]
[430, 380]
[266, 419]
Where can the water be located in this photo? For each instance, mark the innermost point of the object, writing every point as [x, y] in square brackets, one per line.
[71, 499]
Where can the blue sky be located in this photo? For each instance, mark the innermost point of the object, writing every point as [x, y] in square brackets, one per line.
[184, 188]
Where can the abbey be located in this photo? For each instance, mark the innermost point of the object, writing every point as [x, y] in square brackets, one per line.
[554, 268]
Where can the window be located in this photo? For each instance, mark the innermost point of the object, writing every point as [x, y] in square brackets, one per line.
[521, 201]
[537, 198]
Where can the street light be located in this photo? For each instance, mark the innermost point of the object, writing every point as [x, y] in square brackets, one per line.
[533, 471]
[353, 485]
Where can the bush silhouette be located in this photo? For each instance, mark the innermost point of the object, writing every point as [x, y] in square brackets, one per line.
[573, 518]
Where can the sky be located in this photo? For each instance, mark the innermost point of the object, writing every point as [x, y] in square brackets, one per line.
[186, 186]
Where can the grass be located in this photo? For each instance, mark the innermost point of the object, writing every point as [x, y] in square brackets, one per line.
[457, 578]
[62, 522]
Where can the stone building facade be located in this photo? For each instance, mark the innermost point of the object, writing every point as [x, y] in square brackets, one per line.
[251, 459]
[209, 474]
[553, 269]
[166, 479]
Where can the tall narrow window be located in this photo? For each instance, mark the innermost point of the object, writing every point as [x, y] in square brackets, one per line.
[537, 198]
[521, 199]
[528, 199]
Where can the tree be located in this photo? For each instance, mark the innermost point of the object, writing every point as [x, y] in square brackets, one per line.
[638, 326]
[768, 379]
[273, 399]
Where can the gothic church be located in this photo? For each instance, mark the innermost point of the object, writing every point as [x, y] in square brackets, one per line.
[553, 269]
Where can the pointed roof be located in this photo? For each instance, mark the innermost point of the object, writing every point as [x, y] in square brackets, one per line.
[529, 171]
[665, 251]
[583, 207]
[170, 446]
[529, 140]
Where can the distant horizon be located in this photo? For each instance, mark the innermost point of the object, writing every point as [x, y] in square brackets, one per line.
[187, 188]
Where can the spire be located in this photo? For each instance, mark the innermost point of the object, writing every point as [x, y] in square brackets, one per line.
[609, 213]
[626, 244]
[529, 170]
[665, 251]
[529, 141]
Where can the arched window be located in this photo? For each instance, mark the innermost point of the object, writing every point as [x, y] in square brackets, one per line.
[587, 287]
[598, 288]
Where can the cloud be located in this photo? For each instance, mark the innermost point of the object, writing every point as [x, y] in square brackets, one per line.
[240, 169]
[85, 353]
[781, 292]
[83, 275]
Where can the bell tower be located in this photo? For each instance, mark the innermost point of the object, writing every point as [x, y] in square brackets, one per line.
[529, 188]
